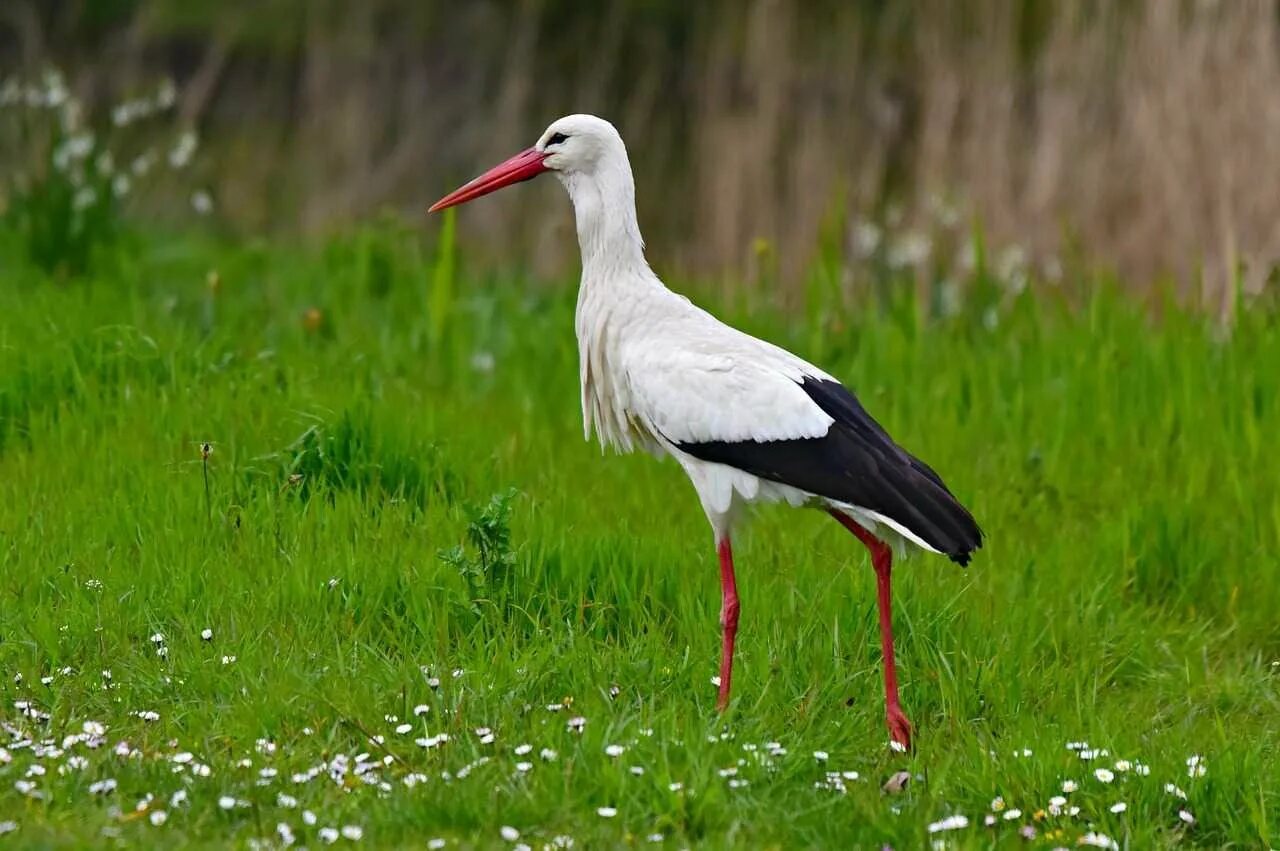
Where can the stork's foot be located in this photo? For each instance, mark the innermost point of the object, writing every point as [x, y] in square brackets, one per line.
[899, 726]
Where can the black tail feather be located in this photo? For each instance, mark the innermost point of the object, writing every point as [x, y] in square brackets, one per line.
[857, 463]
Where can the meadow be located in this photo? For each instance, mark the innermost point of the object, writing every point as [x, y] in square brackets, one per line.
[304, 545]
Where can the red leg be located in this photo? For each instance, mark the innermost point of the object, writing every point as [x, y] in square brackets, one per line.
[728, 619]
[882, 561]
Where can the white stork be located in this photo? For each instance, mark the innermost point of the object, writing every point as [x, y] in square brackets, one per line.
[748, 421]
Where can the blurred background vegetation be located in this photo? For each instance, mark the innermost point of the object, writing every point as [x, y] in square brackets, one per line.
[1136, 136]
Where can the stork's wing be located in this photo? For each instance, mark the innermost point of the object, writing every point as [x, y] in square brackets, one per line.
[773, 418]
[694, 393]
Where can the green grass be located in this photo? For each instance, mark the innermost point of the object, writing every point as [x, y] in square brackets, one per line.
[348, 534]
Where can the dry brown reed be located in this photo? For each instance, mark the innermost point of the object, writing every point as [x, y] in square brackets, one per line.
[1142, 136]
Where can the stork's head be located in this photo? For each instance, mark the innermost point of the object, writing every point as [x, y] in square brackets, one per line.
[573, 145]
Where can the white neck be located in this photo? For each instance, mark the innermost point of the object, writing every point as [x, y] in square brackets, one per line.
[615, 280]
[604, 205]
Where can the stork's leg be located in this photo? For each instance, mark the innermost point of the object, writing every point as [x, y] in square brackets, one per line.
[728, 619]
[882, 561]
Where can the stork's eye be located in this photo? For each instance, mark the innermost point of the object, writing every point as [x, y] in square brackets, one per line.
[556, 139]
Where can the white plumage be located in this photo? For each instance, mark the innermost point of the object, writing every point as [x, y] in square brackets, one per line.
[746, 420]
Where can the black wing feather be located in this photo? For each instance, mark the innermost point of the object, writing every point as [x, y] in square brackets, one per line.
[858, 463]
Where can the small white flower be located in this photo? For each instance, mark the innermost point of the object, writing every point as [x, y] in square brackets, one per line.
[1171, 789]
[524, 767]
[1119, 807]
[577, 724]
[615, 750]
[308, 818]
[166, 95]
[866, 239]
[141, 165]
[435, 844]
[228, 660]
[404, 728]
[1069, 786]
[547, 754]
[226, 802]
[509, 833]
[1195, 766]
[206, 634]
[1123, 765]
[654, 837]
[637, 770]
[897, 747]
[1098, 840]
[521, 750]
[606, 812]
[201, 202]
[86, 197]
[715, 681]
[1186, 816]
[353, 832]
[102, 787]
[181, 153]
[956, 822]
[676, 786]
[8, 827]
[820, 756]
[178, 798]
[1141, 769]
[328, 835]
[458, 672]
[421, 709]
[158, 817]
[1013, 815]
[997, 804]
[1104, 775]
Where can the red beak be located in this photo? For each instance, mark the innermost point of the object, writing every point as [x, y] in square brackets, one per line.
[523, 166]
